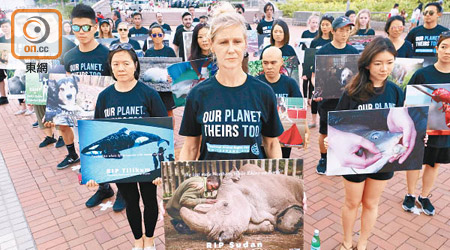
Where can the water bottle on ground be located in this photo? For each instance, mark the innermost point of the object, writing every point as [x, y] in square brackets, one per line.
[315, 242]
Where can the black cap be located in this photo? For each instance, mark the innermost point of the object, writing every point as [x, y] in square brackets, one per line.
[340, 22]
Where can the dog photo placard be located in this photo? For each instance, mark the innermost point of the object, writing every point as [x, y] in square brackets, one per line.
[72, 98]
[154, 72]
[7, 61]
[437, 98]
[370, 141]
[292, 112]
[37, 83]
[16, 83]
[201, 199]
[333, 72]
[124, 150]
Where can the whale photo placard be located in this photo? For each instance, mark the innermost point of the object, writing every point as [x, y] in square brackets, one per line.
[437, 97]
[333, 72]
[371, 141]
[124, 150]
[201, 199]
[154, 72]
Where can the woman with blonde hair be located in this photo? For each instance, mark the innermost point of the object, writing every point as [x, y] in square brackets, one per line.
[230, 115]
[362, 24]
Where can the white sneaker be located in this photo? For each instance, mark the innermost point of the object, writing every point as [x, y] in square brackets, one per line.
[20, 112]
[29, 112]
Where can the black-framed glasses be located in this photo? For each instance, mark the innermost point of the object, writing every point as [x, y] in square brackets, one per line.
[84, 27]
[431, 12]
[159, 35]
[124, 46]
[122, 29]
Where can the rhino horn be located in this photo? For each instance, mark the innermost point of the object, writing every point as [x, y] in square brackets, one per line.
[196, 221]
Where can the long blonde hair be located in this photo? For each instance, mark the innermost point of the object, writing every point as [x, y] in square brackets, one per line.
[358, 25]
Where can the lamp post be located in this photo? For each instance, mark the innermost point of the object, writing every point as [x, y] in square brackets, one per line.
[348, 5]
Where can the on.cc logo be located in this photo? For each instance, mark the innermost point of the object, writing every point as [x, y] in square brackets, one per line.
[36, 29]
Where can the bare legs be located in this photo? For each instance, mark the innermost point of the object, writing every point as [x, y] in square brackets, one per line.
[428, 178]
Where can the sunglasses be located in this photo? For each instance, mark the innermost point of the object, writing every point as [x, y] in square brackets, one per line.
[159, 35]
[124, 46]
[122, 29]
[397, 27]
[85, 27]
[431, 12]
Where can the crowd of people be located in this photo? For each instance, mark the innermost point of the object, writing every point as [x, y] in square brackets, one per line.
[222, 39]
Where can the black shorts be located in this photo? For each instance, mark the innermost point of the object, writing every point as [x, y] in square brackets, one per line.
[362, 177]
[167, 99]
[2, 74]
[432, 155]
[323, 113]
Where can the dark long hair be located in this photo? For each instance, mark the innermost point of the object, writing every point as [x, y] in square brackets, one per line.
[134, 57]
[320, 33]
[196, 51]
[285, 28]
[360, 87]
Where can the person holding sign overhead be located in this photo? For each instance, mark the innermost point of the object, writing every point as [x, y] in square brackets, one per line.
[230, 115]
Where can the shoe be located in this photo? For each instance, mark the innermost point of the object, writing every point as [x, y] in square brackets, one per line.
[60, 142]
[29, 112]
[426, 205]
[137, 248]
[35, 125]
[120, 203]
[99, 196]
[312, 125]
[152, 247]
[67, 161]
[3, 100]
[322, 166]
[20, 112]
[409, 203]
[47, 141]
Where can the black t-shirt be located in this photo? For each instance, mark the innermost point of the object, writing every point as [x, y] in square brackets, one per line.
[264, 27]
[392, 96]
[134, 43]
[365, 32]
[430, 75]
[329, 49]
[406, 50]
[195, 20]
[141, 101]
[178, 41]
[231, 120]
[424, 40]
[284, 87]
[138, 32]
[286, 50]
[164, 52]
[309, 34]
[319, 42]
[87, 63]
[165, 26]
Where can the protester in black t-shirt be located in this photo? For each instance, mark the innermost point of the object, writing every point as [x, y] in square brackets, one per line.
[324, 35]
[105, 30]
[201, 49]
[90, 58]
[424, 38]
[240, 9]
[279, 37]
[362, 24]
[160, 50]
[341, 33]
[5, 25]
[394, 28]
[124, 38]
[128, 92]
[229, 115]
[437, 150]
[351, 14]
[191, 10]
[313, 25]
[137, 30]
[282, 85]
[375, 65]
[265, 25]
[159, 21]
[178, 42]
[116, 19]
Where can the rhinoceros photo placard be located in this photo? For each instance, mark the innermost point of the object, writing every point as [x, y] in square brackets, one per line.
[124, 150]
[154, 72]
[292, 113]
[372, 141]
[437, 97]
[333, 72]
[252, 204]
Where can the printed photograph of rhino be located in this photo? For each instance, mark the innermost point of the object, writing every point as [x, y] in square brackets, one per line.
[372, 126]
[437, 98]
[333, 72]
[154, 72]
[231, 204]
[124, 150]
